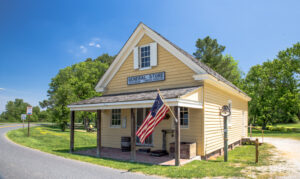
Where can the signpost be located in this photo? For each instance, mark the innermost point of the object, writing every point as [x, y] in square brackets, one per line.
[29, 113]
[225, 112]
[23, 118]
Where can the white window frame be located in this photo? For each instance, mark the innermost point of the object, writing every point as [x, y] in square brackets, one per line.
[111, 121]
[188, 111]
[229, 117]
[140, 57]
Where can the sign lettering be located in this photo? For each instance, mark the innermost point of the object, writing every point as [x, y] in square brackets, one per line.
[147, 78]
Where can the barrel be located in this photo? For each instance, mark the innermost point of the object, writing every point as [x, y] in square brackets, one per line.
[125, 144]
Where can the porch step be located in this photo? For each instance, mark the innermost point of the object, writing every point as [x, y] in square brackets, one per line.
[159, 153]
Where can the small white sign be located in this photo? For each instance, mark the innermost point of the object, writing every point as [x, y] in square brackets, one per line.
[29, 110]
[23, 117]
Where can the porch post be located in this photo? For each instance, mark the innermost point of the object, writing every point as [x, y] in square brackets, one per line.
[98, 133]
[177, 136]
[133, 137]
[72, 131]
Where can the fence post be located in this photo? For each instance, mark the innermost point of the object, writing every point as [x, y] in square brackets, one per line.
[262, 136]
[250, 130]
[256, 147]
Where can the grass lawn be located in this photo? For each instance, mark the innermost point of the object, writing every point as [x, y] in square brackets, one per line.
[268, 133]
[54, 141]
[295, 125]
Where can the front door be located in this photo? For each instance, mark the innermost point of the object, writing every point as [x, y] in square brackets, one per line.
[141, 114]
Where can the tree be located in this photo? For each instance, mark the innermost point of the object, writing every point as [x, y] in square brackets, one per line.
[210, 53]
[274, 89]
[14, 109]
[72, 84]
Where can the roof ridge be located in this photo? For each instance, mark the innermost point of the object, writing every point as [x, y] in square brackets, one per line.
[199, 63]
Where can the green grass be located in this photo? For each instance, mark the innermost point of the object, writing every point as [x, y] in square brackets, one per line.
[267, 133]
[293, 125]
[281, 134]
[54, 141]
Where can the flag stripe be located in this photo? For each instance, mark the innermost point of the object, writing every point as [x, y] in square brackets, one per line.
[154, 122]
[155, 116]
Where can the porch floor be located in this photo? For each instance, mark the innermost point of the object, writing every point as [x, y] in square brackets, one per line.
[117, 154]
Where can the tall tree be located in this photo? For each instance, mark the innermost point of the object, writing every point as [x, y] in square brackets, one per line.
[14, 109]
[72, 84]
[274, 88]
[210, 53]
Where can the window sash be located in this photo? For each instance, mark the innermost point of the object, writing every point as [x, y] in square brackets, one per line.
[145, 56]
[184, 117]
[115, 118]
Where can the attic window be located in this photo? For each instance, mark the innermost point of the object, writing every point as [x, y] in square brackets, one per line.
[145, 56]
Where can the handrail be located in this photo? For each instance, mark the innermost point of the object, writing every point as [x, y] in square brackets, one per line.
[254, 127]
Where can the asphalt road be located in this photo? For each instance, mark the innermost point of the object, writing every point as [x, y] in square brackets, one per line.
[21, 162]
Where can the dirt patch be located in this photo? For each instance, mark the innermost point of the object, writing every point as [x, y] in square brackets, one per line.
[281, 166]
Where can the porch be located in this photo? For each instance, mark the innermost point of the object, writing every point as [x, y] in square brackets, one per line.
[130, 109]
[141, 157]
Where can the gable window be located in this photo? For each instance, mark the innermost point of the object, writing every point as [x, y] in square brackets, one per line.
[184, 117]
[115, 118]
[145, 56]
[229, 117]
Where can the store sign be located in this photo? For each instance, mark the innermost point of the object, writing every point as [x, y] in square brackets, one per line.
[147, 78]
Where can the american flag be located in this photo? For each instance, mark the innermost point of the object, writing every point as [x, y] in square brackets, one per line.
[157, 113]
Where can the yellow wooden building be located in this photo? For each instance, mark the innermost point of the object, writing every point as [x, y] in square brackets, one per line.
[148, 62]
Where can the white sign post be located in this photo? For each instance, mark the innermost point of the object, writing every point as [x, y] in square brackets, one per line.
[29, 113]
[23, 118]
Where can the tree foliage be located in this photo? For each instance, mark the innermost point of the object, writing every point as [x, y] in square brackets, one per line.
[210, 53]
[14, 109]
[274, 88]
[72, 84]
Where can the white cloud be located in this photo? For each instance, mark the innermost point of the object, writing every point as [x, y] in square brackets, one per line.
[83, 49]
[92, 44]
[2, 89]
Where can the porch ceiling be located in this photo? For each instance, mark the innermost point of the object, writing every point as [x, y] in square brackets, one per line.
[137, 100]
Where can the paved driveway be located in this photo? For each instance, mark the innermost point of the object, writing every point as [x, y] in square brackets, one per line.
[290, 149]
[20, 162]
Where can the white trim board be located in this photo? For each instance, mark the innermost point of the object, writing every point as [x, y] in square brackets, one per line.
[135, 104]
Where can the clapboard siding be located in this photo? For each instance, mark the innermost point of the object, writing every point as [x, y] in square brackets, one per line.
[177, 73]
[111, 137]
[214, 99]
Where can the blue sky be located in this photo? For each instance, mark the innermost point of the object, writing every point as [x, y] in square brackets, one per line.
[37, 38]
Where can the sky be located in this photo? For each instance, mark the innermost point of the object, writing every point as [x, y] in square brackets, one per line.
[38, 38]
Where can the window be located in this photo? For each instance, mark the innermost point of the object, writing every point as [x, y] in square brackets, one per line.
[229, 117]
[184, 117]
[116, 118]
[145, 56]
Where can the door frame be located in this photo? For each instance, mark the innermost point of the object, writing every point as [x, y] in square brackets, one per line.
[152, 141]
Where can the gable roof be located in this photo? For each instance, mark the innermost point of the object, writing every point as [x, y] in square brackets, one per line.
[186, 58]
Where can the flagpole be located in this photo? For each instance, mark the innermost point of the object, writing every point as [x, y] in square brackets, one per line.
[166, 104]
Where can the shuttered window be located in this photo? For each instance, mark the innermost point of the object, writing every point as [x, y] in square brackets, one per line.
[145, 56]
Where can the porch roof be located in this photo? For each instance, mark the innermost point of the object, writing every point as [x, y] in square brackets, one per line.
[128, 100]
